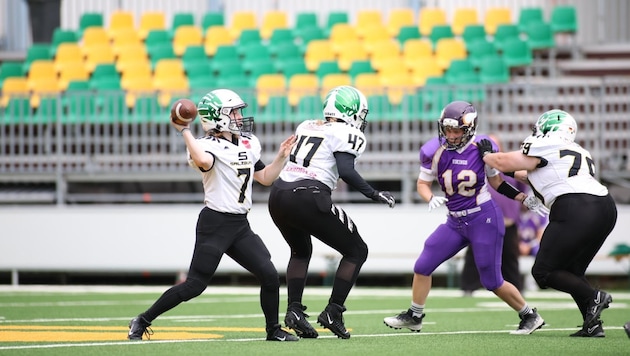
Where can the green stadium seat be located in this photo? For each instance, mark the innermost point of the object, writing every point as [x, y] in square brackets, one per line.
[435, 95]
[105, 70]
[257, 67]
[408, 32]
[111, 106]
[18, 110]
[105, 83]
[327, 67]
[505, 32]
[163, 51]
[202, 83]
[48, 110]
[80, 105]
[563, 19]
[493, 70]
[146, 109]
[61, 36]
[473, 33]
[226, 52]
[411, 107]
[276, 110]
[198, 69]
[540, 36]
[290, 66]
[286, 50]
[309, 107]
[358, 67]
[254, 51]
[516, 53]
[78, 85]
[334, 18]
[10, 69]
[309, 34]
[304, 21]
[480, 49]
[89, 19]
[210, 19]
[157, 38]
[529, 15]
[440, 31]
[379, 106]
[35, 52]
[249, 35]
[181, 19]
[280, 37]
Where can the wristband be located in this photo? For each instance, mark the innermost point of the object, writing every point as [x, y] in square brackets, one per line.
[509, 174]
[185, 128]
[508, 190]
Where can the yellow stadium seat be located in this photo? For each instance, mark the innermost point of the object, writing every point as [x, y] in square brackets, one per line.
[136, 86]
[397, 85]
[369, 84]
[448, 49]
[68, 52]
[132, 54]
[172, 67]
[14, 86]
[342, 33]
[382, 59]
[424, 68]
[186, 36]
[414, 49]
[463, 17]
[151, 20]
[242, 20]
[268, 85]
[123, 38]
[496, 16]
[330, 81]
[366, 19]
[394, 66]
[376, 36]
[169, 86]
[97, 55]
[350, 52]
[271, 21]
[390, 46]
[302, 85]
[216, 36]
[429, 17]
[94, 36]
[398, 18]
[316, 52]
[72, 71]
[42, 68]
[120, 20]
[139, 72]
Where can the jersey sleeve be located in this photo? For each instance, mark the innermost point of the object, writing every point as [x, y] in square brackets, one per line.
[539, 147]
[346, 138]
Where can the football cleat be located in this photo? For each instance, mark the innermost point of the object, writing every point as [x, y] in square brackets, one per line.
[278, 334]
[405, 320]
[529, 323]
[626, 327]
[139, 326]
[331, 318]
[595, 308]
[596, 330]
[296, 320]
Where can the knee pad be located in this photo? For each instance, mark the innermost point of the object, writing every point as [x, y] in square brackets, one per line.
[190, 289]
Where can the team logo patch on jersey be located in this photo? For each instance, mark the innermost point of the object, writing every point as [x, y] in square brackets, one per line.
[247, 144]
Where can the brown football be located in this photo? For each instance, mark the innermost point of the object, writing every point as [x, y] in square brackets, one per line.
[183, 111]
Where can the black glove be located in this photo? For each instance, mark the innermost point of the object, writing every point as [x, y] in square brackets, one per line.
[484, 146]
[384, 197]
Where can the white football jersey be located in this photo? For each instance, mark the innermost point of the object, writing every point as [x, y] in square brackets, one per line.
[566, 168]
[228, 184]
[312, 157]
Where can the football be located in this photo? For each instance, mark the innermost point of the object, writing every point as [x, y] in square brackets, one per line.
[183, 111]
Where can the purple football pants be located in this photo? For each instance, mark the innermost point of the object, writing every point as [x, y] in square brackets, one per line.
[483, 230]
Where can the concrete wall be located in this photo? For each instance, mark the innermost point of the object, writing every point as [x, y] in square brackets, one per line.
[136, 238]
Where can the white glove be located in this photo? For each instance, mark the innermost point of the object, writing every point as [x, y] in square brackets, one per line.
[436, 202]
[534, 204]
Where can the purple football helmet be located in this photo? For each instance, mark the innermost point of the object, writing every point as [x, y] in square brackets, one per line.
[457, 114]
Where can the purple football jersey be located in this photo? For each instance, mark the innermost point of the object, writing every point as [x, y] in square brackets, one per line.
[461, 175]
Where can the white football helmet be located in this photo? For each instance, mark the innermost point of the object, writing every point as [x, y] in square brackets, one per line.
[215, 110]
[556, 123]
[347, 104]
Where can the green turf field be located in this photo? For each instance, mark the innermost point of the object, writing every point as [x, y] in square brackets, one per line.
[228, 321]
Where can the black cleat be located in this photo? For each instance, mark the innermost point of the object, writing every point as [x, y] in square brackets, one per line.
[139, 326]
[596, 330]
[296, 320]
[596, 306]
[278, 334]
[626, 327]
[331, 318]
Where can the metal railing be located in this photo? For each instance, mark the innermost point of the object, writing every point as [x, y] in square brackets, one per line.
[119, 144]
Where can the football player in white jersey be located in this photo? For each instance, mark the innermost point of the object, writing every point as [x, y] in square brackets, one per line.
[228, 157]
[583, 214]
[300, 204]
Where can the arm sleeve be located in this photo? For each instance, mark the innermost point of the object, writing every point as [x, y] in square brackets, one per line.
[259, 166]
[345, 167]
